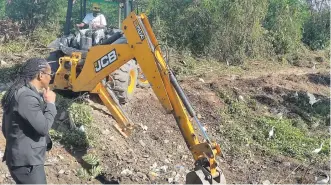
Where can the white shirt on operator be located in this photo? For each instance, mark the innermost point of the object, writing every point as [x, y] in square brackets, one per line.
[99, 20]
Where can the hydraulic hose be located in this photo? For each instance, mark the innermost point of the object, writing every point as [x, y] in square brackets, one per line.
[186, 103]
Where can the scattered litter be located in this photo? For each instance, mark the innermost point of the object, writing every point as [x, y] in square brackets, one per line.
[183, 62]
[322, 179]
[52, 160]
[312, 99]
[167, 161]
[287, 164]
[314, 66]
[154, 165]
[177, 177]
[61, 157]
[241, 98]
[296, 95]
[204, 129]
[201, 80]
[126, 172]
[180, 167]
[81, 128]
[2, 62]
[111, 138]
[61, 172]
[144, 127]
[317, 150]
[184, 157]
[142, 143]
[164, 169]
[179, 148]
[141, 175]
[105, 132]
[152, 175]
[266, 182]
[271, 132]
[170, 180]
[280, 115]
[315, 125]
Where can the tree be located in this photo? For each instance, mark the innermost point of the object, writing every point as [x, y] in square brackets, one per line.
[316, 32]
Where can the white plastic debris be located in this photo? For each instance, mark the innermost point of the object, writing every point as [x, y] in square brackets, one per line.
[312, 99]
[81, 128]
[126, 172]
[201, 80]
[271, 132]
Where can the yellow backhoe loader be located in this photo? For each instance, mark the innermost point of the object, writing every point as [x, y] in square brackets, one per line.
[87, 71]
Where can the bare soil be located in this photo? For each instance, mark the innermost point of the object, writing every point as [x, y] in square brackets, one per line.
[156, 151]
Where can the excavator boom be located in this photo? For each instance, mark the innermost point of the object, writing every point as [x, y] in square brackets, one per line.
[142, 45]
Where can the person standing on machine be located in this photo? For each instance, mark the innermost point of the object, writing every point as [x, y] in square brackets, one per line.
[96, 22]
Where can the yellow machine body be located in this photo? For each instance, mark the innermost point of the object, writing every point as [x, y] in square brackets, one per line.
[101, 60]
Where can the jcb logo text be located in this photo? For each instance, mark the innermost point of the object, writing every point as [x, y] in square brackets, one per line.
[105, 61]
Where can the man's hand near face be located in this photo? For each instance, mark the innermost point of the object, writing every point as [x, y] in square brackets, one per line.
[49, 96]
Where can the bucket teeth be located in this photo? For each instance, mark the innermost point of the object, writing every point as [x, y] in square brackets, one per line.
[126, 132]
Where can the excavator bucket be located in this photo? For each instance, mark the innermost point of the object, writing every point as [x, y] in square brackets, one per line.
[199, 177]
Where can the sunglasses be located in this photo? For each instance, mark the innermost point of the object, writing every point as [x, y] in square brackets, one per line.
[50, 74]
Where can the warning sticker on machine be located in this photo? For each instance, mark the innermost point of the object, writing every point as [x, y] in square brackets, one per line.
[139, 30]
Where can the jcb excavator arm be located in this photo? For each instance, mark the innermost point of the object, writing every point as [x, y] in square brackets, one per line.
[142, 46]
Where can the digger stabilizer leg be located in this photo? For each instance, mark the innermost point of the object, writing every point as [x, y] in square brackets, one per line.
[123, 124]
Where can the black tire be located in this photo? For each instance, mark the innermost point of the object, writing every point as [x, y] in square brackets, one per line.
[123, 81]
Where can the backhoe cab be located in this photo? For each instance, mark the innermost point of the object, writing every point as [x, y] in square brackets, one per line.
[88, 71]
[123, 81]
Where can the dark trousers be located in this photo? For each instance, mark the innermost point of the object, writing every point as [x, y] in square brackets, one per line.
[28, 174]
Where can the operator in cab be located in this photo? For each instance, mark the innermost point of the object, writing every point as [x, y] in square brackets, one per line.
[96, 23]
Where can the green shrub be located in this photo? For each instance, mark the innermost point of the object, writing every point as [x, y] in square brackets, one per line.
[238, 33]
[33, 13]
[15, 46]
[8, 74]
[316, 31]
[292, 141]
[75, 138]
[284, 21]
[94, 168]
[80, 114]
